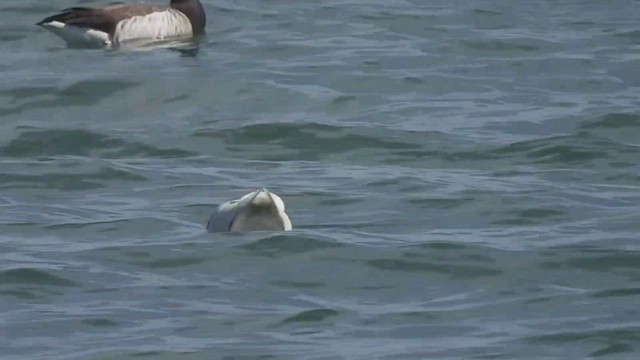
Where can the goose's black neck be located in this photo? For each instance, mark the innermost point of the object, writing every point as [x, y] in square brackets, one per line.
[194, 11]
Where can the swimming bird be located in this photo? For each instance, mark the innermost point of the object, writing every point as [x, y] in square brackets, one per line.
[113, 25]
[258, 210]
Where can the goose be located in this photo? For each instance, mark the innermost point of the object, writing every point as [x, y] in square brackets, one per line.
[259, 210]
[113, 25]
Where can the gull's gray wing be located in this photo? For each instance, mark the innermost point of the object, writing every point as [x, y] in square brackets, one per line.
[221, 221]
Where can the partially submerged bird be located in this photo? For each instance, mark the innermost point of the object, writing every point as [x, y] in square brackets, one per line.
[114, 25]
[258, 210]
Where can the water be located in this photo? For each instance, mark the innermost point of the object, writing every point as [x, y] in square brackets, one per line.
[462, 177]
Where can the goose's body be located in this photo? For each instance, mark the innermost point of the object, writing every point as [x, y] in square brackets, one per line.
[118, 24]
[256, 211]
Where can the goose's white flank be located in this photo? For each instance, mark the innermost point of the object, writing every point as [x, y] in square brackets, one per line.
[260, 210]
[113, 25]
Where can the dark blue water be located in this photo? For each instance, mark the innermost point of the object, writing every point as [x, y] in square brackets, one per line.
[463, 180]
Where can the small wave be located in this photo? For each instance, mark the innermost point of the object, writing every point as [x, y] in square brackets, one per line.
[172, 263]
[440, 203]
[617, 292]
[533, 216]
[460, 271]
[606, 262]
[28, 276]
[101, 323]
[580, 148]
[81, 93]
[9, 36]
[19, 294]
[298, 284]
[614, 335]
[508, 46]
[441, 245]
[81, 143]
[489, 13]
[614, 121]
[632, 36]
[308, 136]
[278, 244]
[312, 141]
[66, 181]
[315, 315]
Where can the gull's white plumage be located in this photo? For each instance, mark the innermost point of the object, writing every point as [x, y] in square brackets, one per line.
[258, 210]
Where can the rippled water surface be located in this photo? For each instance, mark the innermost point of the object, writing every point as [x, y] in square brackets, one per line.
[463, 178]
